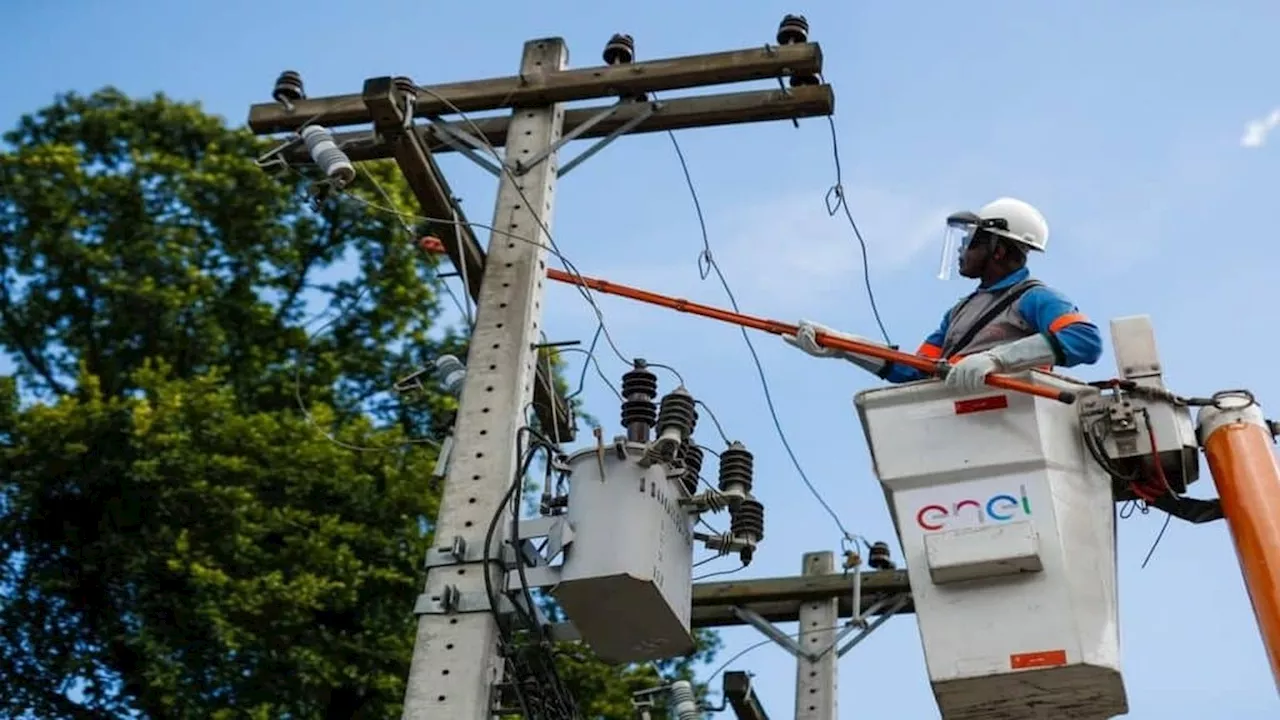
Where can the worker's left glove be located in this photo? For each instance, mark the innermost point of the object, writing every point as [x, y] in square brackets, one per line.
[970, 374]
[806, 339]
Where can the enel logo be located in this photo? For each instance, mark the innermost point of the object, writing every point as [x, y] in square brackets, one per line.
[1001, 507]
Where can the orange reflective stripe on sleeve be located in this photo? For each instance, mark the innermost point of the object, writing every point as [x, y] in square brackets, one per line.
[1067, 319]
[929, 350]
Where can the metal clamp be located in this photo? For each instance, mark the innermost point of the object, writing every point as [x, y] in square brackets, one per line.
[456, 553]
[450, 600]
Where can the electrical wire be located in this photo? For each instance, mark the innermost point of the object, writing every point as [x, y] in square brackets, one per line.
[464, 309]
[553, 248]
[841, 203]
[718, 573]
[548, 678]
[591, 362]
[714, 421]
[517, 186]
[755, 646]
[588, 363]
[1159, 536]
[305, 409]
[704, 271]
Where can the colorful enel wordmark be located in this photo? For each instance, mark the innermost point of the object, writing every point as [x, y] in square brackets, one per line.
[1001, 507]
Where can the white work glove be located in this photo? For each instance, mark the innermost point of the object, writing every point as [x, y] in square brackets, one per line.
[806, 339]
[970, 374]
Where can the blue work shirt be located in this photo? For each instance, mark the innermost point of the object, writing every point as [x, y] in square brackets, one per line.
[1076, 340]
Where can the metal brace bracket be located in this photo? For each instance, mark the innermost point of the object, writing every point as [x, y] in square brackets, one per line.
[465, 143]
[651, 107]
[536, 577]
[783, 640]
[893, 604]
[524, 167]
[885, 608]
[556, 529]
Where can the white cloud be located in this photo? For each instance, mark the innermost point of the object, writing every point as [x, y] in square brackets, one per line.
[1256, 132]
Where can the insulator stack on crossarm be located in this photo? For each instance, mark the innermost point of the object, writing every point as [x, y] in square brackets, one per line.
[288, 89]
[326, 154]
[620, 50]
[747, 527]
[692, 457]
[879, 557]
[792, 30]
[682, 703]
[639, 412]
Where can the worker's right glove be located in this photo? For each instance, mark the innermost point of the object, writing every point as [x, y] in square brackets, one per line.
[806, 339]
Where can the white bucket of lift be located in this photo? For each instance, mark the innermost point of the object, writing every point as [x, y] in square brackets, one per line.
[1007, 529]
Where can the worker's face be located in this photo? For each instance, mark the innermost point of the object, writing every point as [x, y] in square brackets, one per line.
[973, 258]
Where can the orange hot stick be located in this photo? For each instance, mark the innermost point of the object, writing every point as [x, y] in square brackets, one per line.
[923, 364]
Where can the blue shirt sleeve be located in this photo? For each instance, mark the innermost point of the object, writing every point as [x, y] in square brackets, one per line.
[1074, 338]
[930, 348]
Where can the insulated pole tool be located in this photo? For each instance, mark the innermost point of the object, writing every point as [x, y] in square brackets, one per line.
[923, 364]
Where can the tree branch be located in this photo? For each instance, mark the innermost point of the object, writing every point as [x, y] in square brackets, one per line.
[16, 332]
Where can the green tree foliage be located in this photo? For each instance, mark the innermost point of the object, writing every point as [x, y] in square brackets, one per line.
[178, 538]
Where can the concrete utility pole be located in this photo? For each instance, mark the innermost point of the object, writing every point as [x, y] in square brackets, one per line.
[816, 678]
[456, 660]
[454, 656]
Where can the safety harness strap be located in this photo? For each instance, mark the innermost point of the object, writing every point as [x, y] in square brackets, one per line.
[1010, 296]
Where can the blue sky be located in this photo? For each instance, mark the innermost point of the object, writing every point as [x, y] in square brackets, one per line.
[1123, 122]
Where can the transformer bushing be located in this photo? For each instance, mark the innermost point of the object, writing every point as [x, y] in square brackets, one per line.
[639, 412]
[677, 418]
[677, 414]
[747, 527]
[692, 457]
[737, 467]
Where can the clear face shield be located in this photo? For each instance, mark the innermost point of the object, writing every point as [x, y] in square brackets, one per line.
[961, 227]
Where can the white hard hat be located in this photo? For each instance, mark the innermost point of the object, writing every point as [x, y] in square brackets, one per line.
[1022, 222]
[1005, 217]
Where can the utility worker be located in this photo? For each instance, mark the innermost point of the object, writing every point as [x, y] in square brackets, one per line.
[1011, 322]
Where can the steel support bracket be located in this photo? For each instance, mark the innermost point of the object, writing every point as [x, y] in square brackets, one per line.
[555, 528]
[651, 107]
[524, 167]
[465, 143]
[534, 577]
[750, 617]
[883, 608]
[887, 607]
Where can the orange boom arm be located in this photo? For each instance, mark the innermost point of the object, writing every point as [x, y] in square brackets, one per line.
[1237, 445]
